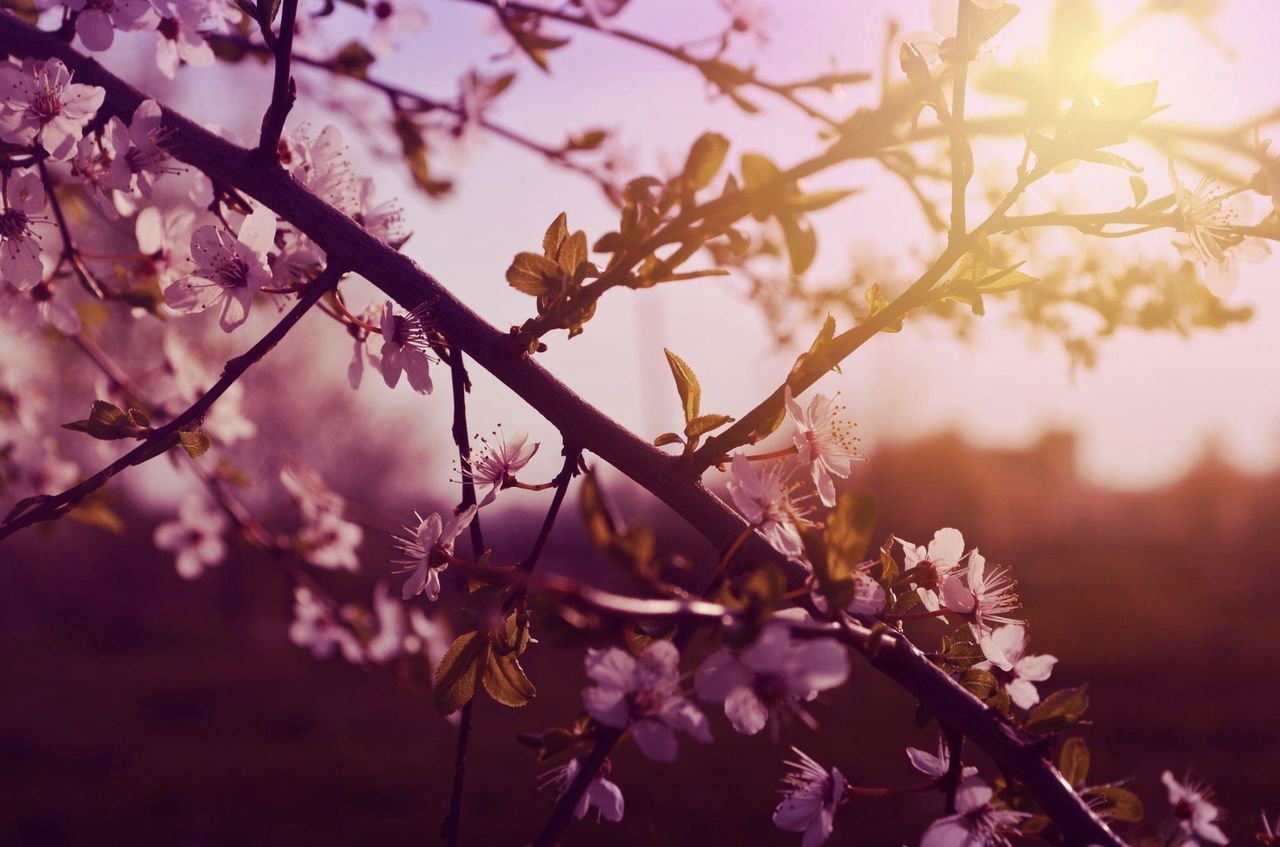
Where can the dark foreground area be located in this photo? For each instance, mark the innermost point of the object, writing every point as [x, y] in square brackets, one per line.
[137, 708]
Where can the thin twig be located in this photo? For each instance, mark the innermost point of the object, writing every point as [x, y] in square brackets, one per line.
[961, 152]
[284, 91]
[164, 437]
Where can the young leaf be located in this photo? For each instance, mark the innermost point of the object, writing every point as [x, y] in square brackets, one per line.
[686, 384]
[455, 682]
[195, 443]
[1059, 710]
[703, 424]
[1118, 804]
[555, 235]
[1073, 761]
[533, 274]
[705, 159]
[849, 528]
[505, 680]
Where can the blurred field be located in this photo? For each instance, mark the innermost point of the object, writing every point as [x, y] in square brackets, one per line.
[139, 709]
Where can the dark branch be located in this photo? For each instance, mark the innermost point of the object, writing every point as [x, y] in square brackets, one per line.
[284, 91]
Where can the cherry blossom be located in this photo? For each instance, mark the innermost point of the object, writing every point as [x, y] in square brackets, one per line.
[936, 766]
[389, 641]
[405, 350]
[497, 460]
[929, 568]
[867, 598]
[427, 549]
[643, 695]
[1006, 651]
[394, 18]
[39, 104]
[601, 793]
[19, 246]
[139, 155]
[764, 498]
[773, 676]
[1194, 809]
[97, 20]
[1208, 220]
[91, 165]
[384, 221]
[180, 39]
[230, 269]
[162, 237]
[320, 165]
[41, 306]
[429, 635]
[195, 537]
[315, 628]
[984, 598]
[823, 441]
[977, 823]
[810, 798]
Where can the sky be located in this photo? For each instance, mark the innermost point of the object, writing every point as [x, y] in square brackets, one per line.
[1144, 414]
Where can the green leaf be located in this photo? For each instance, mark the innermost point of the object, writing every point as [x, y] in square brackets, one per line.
[705, 159]
[667, 438]
[1073, 761]
[849, 528]
[703, 424]
[195, 443]
[1139, 186]
[1059, 710]
[757, 170]
[94, 512]
[533, 274]
[979, 683]
[456, 677]
[802, 242]
[555, 236]
[1104, 157]
[686, 384]
[876, 303]
[1118, 804]
[505, 680]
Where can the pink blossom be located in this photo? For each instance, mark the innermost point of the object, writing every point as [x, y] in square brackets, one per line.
[315, 628]
[977, 823]
[773, 676]
[936, 766]
[19, 247]
[40, 105]
[139, 157]
[230, 269]
[810, 799]
[823, 441]
[984, 598]
[427, 549]
[180, 40]
[601, 793]
[98, 20]
[195, 537]
[393, 18]
[497, 460]
[764, 498]
[930, 567]
[1194, 809]
[405, 349]
[643, 695]
[1006, 652]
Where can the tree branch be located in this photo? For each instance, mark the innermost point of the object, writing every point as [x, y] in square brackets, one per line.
[579, 423]
[284, 91]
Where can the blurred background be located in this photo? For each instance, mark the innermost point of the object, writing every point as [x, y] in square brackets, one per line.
[1134, 498]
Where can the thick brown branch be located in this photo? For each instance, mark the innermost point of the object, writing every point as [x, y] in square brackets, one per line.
[579, 423]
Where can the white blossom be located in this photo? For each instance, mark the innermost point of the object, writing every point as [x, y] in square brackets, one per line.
[1006, 650]
[764, 498]
[426, 550]
[981, 596]
[824, 442]
[24, 199]
[97, 20]
[40, 104]
[977, 823]
[394, 18]
[772, 676]
[1194, 809]
[180, 39]
[930, 567]
[139, 157]
[405, 350]
[643, 695]
[315, 628]
[194, 537]
[601, 793]
[1208, 216]
[810, 799]
[936, 766]
[497, 459]
[230, 269]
